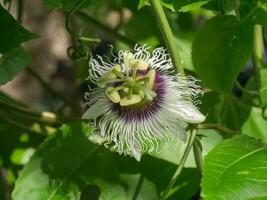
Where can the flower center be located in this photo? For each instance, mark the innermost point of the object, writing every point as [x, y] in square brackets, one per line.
[130, 82]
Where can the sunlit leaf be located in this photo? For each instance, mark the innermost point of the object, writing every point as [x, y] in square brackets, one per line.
[236, 169]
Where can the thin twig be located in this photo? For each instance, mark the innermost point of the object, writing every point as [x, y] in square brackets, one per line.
[217, 127]
[244, 90]
[45, 117]
[35, 127]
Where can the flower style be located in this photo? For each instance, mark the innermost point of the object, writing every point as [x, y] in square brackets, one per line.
[140, 102]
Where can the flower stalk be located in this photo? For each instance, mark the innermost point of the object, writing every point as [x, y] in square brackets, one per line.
[258, 55]
[181, 165]
[167, 35]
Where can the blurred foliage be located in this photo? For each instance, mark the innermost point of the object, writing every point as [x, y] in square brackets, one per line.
[49, 155]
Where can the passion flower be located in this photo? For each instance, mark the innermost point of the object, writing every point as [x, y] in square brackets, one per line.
[140, 102]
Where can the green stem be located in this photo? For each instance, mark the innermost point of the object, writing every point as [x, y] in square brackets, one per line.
[244, 90]
[217, 127]
[181, 165]
[105, 30]
[138, 186]
[167, 35]
[258, 43]
[76, 7]
[36, 128]
[258, 55]
[198, 154]
[45, 117]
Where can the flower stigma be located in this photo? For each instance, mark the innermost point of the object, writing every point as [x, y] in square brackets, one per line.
[132, 85]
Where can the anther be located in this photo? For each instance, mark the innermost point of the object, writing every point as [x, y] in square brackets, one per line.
[126, 102]
[113, 94]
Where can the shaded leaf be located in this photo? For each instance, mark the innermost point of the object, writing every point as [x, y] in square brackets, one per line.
[220, 50]
[147, 191]
[12, 34]
[12, 63]
[252, 85]
[234, 113]
[149, 34]
[65, 164]
[236, 169]
[68, 166]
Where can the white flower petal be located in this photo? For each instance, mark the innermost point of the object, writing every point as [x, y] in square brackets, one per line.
[190, 114]
[97, 109]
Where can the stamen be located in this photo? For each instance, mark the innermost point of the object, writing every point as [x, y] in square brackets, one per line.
[113, 94]
[127, 56]
[126, 102]
[151, 75]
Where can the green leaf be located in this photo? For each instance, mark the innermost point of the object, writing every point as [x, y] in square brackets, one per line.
[236, 169]
[220, 50]
[67, 4]
[234, 113]
[12, 63]
[255, 125]
[9, 139]
[147, 191]
[259, 17]
[12, 34]
[211, 104]
[166, 3]
[252, 85]
[187, 185]
[65, 164]
[224, 6]
[187, 5]
[184, 46]
[177, 5]
[149, 34]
